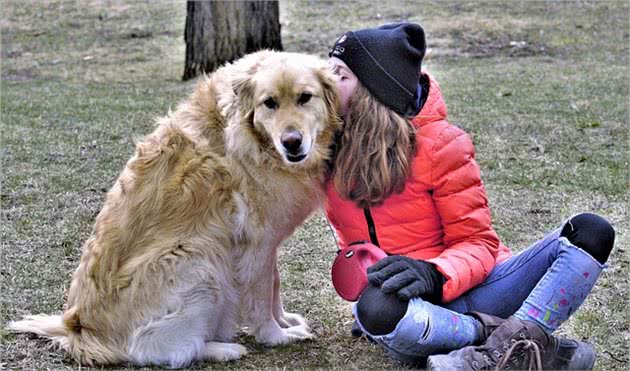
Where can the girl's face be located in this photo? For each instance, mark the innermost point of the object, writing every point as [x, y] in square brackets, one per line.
[346, 82]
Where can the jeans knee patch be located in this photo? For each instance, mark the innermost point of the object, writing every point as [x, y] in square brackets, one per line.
[378, 312]
[591, 233]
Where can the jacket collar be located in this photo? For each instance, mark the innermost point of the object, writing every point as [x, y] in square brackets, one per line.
[434, 108]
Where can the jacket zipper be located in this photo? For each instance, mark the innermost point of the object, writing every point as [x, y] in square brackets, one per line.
[371, 227]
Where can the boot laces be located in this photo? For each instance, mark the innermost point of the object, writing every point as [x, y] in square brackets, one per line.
[528, 346]
[485, 362]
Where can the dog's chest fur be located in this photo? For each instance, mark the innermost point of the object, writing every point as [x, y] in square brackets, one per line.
[271, 204]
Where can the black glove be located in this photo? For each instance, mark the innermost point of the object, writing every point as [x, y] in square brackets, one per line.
[408, 278]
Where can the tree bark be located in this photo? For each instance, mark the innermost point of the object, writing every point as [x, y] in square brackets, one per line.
[221, 31]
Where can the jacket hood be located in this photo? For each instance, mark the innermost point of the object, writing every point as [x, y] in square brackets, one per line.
[434, 108]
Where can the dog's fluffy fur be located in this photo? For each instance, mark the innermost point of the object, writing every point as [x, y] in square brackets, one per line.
[185, 247]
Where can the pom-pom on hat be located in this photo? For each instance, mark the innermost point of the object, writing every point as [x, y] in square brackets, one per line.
[387, 61]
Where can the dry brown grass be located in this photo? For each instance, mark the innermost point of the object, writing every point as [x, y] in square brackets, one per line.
[549, 119]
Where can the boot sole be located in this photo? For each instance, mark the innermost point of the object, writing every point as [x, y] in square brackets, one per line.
[583, 358]
[443, 363]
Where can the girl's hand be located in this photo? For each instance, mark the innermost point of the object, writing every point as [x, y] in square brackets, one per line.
[408, 278]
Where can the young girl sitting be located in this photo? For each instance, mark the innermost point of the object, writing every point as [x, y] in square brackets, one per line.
[407, 181]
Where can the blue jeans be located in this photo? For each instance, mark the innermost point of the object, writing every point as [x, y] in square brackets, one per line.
[540, 282]
[511, 281]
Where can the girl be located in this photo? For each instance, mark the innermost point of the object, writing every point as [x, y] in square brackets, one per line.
[407, 181]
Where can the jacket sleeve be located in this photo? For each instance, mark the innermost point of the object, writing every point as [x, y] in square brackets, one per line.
[460, 198]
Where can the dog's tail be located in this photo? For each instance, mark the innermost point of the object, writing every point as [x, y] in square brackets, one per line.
[51, 327]
[65, 333]
[43, 325]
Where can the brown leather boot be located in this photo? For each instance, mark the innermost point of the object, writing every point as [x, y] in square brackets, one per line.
[518, 345]
[489, 324]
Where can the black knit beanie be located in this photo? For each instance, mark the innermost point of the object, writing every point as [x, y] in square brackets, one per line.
[387, 61]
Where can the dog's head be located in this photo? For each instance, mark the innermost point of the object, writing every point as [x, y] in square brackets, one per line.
[288, 106]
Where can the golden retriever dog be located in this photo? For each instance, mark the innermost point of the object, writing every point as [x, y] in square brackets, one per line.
[185, 248]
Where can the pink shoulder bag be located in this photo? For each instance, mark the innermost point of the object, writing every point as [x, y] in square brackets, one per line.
[349, 270]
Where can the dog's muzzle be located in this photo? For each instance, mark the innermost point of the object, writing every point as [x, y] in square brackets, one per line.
[292, 144]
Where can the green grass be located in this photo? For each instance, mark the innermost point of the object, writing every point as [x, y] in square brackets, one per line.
[548, 114]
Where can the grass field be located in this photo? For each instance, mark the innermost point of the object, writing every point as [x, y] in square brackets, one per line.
[542, 87]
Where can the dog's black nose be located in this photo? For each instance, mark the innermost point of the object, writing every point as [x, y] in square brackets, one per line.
[292, 141]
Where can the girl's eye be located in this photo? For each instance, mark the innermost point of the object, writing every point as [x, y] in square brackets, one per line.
[342, 77]
[304, 98]
[271, 103]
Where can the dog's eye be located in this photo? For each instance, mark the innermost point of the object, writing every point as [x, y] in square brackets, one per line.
[304, 98]
[271, 103]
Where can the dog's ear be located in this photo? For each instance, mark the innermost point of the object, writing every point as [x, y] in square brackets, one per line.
[243, 82]
[334, 123]
[243, 87]
[330, 94]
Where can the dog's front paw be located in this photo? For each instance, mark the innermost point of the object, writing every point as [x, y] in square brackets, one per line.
[303, 332]
[294, 319]
[272, 334]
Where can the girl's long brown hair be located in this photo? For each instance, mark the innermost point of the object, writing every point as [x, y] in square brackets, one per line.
[375, 151]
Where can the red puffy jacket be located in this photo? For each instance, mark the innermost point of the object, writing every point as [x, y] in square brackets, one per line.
[442, 216]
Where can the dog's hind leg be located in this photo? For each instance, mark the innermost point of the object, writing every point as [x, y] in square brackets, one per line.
[222, 352]
[160, 343]
[227, 316]
[176, 334]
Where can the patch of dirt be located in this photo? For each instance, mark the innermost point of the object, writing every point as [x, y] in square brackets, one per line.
[19, 75]
[137, 33]
[460, 44]
[487, 48]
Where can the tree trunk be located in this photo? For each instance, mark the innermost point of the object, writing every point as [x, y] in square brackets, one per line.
[221, 31]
